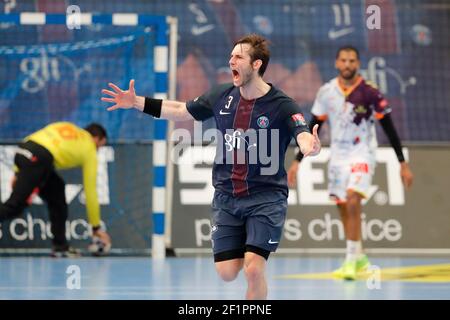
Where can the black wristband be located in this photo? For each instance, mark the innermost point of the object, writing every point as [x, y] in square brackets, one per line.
[314, 120]
[400, 157]
[95, 228]
[299, 156]
[153, 107]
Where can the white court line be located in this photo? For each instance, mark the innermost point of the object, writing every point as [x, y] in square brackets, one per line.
[397, 251]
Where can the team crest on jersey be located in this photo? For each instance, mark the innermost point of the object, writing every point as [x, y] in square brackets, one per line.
[263, 122]
[298, 119]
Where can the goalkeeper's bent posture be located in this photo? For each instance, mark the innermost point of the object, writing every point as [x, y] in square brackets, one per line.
[61, 145]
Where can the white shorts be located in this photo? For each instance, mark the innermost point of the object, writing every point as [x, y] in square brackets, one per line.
[349, 174]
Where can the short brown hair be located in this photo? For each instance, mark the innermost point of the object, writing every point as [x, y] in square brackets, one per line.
[260, 50]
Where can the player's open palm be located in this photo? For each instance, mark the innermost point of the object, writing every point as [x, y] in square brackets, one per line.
[122, 99]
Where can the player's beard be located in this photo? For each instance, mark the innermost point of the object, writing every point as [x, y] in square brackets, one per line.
[246, 78]
[348, 74]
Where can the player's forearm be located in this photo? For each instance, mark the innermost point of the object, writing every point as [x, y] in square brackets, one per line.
[164, 109]
[90, 189]
[92, 204]
[391, 133]
[139, 103]
[93, 212]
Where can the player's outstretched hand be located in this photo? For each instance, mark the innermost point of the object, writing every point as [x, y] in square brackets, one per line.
[310, 143]
[121, 99]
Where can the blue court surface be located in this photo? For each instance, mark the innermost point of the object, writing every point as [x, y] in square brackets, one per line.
[194, 278]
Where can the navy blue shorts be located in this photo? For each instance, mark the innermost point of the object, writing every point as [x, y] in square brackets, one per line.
[253, 223]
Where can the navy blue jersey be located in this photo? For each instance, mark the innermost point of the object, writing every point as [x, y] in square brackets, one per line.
[254, 136]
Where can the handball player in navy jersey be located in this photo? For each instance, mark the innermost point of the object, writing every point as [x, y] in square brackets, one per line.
[255, 123]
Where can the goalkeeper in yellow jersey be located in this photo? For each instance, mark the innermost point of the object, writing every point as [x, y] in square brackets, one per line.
[60, 145]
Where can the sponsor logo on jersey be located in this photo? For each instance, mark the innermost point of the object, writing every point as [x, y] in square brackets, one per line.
[298, 119]
[360, 167]
[360, 109]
